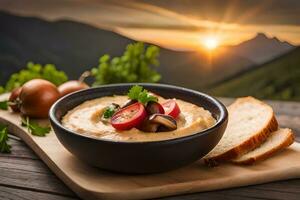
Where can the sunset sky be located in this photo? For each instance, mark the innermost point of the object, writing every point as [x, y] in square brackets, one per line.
[180, 24]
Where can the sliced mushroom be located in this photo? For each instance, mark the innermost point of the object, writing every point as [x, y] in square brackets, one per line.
[129, 102]
[148, 126]
[168, 122]
[154, 108]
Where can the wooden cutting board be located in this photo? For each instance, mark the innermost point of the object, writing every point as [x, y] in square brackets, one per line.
[92, 183]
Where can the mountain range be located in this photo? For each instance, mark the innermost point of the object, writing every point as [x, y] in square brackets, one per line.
[75, 47]
[262, 48]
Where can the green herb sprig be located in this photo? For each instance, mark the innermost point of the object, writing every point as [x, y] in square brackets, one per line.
[34, 128]
[110, 111]
[137, 64]
[141, 95]
[4, 105]
[33, 71]
[4, 146]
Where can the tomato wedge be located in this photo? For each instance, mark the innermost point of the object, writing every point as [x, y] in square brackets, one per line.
[129, 117]
[171, 108]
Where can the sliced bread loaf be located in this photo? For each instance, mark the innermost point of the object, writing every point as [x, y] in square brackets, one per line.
[277, 141]
[250, 122]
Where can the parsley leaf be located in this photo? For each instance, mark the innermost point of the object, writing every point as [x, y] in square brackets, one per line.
[141, 95]
[110, 111]
[34, 128]
[4, 147]
[3, 105]
[134, 92]
[145, 97]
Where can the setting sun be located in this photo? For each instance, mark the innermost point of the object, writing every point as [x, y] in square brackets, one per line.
[211, 43]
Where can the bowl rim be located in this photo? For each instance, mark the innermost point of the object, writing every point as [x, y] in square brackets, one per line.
[222, 119]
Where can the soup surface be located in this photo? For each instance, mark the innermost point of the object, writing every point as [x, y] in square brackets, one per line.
[86, 120]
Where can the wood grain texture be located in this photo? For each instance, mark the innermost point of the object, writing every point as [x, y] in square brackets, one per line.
[19, 194]
[91, 183]
[20, 151]
[286, 189]
[283, 190]
[30, 174]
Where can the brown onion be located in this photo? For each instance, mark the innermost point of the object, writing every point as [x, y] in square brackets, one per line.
[71, 86]
[36, 98]
[74, 85]
[14, 99]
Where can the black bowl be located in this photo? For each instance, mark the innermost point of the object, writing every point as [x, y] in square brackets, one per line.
[139, 157]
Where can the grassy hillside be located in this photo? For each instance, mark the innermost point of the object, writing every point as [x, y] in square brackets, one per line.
[278, 79]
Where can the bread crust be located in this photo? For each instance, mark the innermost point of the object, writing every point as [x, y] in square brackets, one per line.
[252, 143]
[289, 140]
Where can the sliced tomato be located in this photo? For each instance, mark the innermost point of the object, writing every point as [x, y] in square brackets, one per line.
[129, 117]
[171, 108]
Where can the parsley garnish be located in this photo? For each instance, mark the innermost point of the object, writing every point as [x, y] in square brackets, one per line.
[4, 147]
[34, 128]
[141, 95]
[3, 105]
[110, 111]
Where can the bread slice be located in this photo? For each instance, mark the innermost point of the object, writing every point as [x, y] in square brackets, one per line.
[277, 141]
[250, 122]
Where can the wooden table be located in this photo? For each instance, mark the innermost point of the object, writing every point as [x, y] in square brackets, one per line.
[24, 176]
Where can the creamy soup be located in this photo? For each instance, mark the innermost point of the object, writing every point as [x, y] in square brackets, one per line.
[86, 120]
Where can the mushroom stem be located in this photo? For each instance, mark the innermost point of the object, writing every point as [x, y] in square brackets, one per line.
[84, 75]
